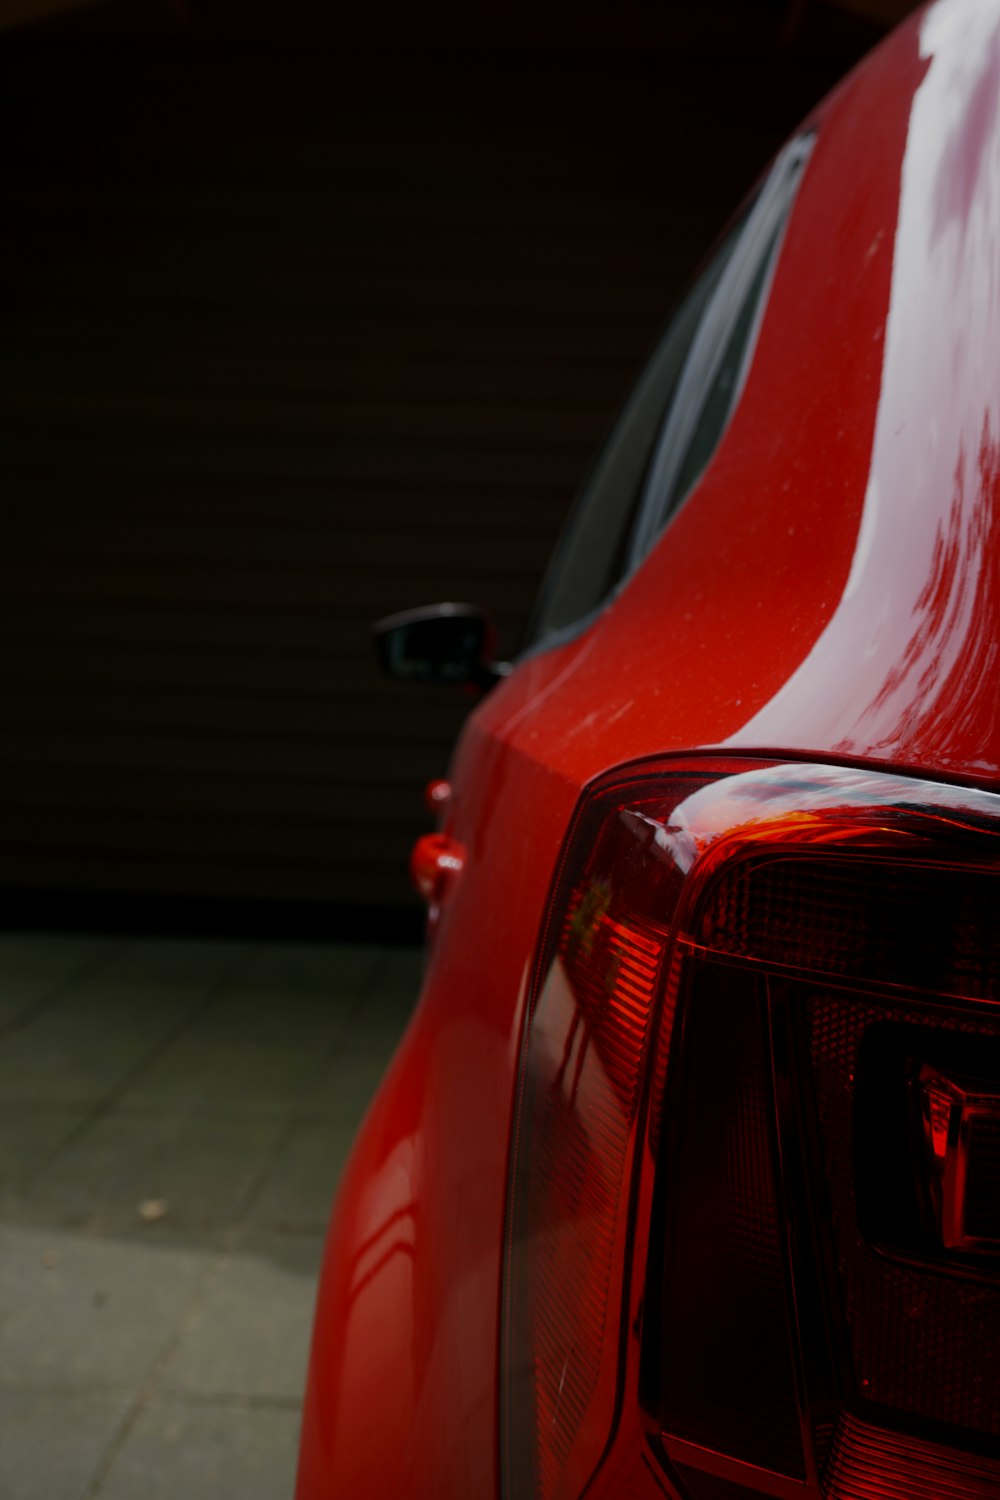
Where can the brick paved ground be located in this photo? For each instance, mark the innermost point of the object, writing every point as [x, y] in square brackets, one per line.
[173, 1119]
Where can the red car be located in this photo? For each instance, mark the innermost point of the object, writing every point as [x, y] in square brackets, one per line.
[685, 1180]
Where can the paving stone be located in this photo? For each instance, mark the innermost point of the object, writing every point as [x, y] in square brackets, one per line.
[77, 1310]
[48, 953]
[83, 1047]
[28, 1137]
[299, 1187]
[53, 1441]
[248, 1334]
[346, 1085]
[198, 1167]
[337, 970]
[226, 1076]
[58, 1061]
[159, 974]
[227, 1081]
[383, 1014]
[205, 1453]
[35, 966]
[275, 1015]
[374, 1034]
[399, 976]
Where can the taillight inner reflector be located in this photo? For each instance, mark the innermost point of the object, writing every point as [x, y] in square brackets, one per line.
[959, 1120]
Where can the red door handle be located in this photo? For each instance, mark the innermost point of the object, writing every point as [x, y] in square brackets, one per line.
[434, 863]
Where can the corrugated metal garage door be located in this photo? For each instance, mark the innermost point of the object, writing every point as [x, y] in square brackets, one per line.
[293, 338]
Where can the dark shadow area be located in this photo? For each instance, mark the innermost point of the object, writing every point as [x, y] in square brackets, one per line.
[310, 317]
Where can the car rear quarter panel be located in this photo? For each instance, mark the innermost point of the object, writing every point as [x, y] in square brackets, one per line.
[832, 590]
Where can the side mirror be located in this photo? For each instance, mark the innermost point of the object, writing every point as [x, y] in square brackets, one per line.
[449, 643]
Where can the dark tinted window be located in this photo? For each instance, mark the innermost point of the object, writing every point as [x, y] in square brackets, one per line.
[675, 416]
[591, 554]
[721, 395]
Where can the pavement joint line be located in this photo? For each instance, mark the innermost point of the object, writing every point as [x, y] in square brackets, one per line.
[49, 997]
[147, 1390]
[104, 1390]
[294, 1118]
[105, 1106]
[41, 1107]
[227, 1400]
[291, 1231]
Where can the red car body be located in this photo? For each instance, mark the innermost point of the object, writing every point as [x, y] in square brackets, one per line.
[822, 614]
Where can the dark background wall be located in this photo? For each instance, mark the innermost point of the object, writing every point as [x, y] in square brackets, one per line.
[308, 317]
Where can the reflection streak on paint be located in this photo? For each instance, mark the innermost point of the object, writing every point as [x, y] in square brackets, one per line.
[878, 676]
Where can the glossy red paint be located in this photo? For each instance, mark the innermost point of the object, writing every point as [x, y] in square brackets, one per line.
[437, 795]
[435, 862]
[831, 591]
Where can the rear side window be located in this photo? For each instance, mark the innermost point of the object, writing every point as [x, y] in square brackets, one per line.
[675, 416]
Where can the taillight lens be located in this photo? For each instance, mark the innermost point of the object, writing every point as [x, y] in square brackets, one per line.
[583, 1067]
[725, 946]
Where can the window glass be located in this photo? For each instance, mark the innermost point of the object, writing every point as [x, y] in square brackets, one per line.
[721, 395]
[675, 416]
[592, 550]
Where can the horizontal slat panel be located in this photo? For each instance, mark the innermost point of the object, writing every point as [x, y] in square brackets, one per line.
[158, 544]
[288, 842]
[254, 591]
[183, 879]
[315, 633]
[260, 506]
[293, 340]
[358, 801]
[302, 738]
[333, 376]
[43, 451]
[58, 325]
[69, 670]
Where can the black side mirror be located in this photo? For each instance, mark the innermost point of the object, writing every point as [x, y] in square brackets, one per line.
[449, 643]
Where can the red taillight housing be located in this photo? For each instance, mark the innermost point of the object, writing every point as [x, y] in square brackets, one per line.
[584, 1065]
[764, 997]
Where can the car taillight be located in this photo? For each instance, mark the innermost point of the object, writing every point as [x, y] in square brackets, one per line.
[752, 1226]
[583, 1066]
